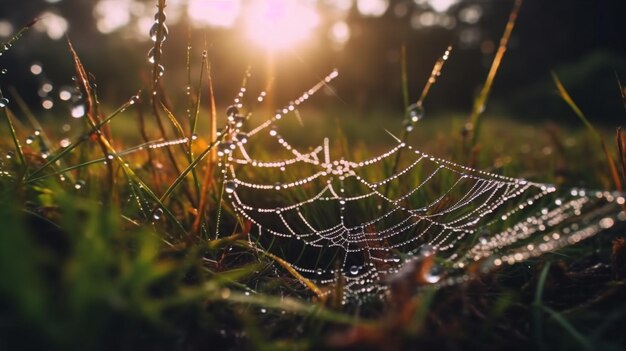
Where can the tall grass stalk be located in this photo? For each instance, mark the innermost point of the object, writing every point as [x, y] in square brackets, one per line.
[474, 121]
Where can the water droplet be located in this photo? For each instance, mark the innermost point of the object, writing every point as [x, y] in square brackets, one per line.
[110, 156]
[160, 70]
[30, 139]
[78, 95]
[277, 186]
[319, 271]
[434, 274]
[152, 55]
[408, 126]
[416, 112]
[157, 214]
[232, 110]
[242, 137]
[78, 110]
[354, 270]
[238, 120]
[194, 136]
[154, 30]
[263, 310]
[4, 102]
[79, 184]
[224, 148]
[3, 71]
[133, 100]
[230, 186]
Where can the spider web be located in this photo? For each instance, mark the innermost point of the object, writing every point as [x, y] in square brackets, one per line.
[335, 219]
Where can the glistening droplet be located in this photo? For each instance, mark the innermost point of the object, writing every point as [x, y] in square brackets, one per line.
[154, 30]
[232, 110]
[152, 55]
[408, 126]
[230, 186]
[242, 137]
[79, 184]
[354, 270]
[238, 120]
[157, 214]
[434, 274]
[416, 112]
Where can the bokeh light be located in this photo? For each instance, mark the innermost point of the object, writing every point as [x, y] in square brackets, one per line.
[280, 24]
[6, 29]
[216, 13]
[340, 32]
[112, 14]
[373, 8]
[52, 24]
[442, 5]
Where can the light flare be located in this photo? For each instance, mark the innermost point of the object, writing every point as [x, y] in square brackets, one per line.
[280, 24]
[215, 13]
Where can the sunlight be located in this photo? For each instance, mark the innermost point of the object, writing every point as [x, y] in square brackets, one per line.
[280, 24]
[216, 13]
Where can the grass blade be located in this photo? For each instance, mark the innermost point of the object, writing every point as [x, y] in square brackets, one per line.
[208, 175]
[189, 168]
[16, 141]
[83, 138]
[483, 96]
[306, 282]
[585, 343]
[295, 306]
[594, 133]
[537, 304]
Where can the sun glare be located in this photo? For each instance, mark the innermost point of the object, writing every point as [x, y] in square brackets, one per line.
[280, 24]
[216, 13]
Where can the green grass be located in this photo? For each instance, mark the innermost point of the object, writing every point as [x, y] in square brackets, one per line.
[118, 256]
